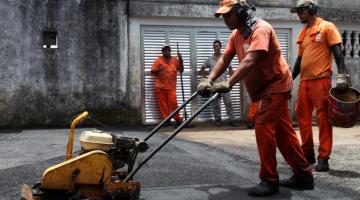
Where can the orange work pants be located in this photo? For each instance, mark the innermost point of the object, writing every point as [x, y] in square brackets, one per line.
[167, 103]
[273, 128]
[253, 108]
[313, 94]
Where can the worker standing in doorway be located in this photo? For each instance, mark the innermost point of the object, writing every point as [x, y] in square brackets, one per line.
[268, 79]
[318, 41]
[216, 106]
[165, 70]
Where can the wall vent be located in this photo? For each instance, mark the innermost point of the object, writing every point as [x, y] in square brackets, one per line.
[50, 40]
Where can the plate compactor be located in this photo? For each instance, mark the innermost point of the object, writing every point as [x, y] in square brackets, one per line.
[104, 169]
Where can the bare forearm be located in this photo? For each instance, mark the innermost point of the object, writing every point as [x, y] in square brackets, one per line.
[155, 72]
[250, 61]
[241, 71]
[296, 70]
[231, 71]
[202, 71]
[339, 58]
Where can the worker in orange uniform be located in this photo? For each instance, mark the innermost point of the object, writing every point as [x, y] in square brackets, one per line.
[165, 70]
[318, 40]
[268, 79]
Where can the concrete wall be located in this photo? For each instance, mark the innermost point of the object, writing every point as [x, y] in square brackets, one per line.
[87, 72]
[343, 4]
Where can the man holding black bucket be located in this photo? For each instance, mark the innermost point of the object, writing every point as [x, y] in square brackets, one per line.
[318, 41]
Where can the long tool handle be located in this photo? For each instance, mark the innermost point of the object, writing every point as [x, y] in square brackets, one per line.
[181, 78]
[183, 94]
[176, 131]
[169, 117]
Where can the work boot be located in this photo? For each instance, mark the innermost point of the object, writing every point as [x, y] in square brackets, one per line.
[301, 183]
[263, 189]
[177, 124]
[322, 166]
[167, 123]
[311, 159]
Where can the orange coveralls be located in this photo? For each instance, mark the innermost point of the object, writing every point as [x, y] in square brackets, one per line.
[270, 82]
[165, 85]
[315, 83]
[253, 108]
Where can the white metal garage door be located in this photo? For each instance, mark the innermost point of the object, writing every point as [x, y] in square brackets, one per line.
[204, 49]
[195, 46]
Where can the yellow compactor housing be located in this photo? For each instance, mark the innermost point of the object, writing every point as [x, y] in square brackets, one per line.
[97, 173]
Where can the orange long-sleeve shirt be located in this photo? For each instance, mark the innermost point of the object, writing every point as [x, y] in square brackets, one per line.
[165, 72]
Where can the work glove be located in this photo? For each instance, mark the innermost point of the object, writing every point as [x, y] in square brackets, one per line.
[204, 87]
[222, 87]
[342, 82]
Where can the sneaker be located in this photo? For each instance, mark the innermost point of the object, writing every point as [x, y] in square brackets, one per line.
[311, 159]
[234, 124]
[263, 189]
[322, 166]
[301, 183]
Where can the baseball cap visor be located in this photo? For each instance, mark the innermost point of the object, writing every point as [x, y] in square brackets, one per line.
[301, 5]
[223, 10]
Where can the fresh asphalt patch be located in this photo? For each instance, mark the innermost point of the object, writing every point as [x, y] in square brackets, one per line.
[192, 170]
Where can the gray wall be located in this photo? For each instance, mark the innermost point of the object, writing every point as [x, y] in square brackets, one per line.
[337, 11]
[87, 72]
[90, 70]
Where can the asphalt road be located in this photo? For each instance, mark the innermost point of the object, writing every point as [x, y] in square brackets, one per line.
[202, 163]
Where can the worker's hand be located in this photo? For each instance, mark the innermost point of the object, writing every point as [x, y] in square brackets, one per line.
[181, 68]
[204, 87]
[221, 87]
[342, 82]
[180, 58]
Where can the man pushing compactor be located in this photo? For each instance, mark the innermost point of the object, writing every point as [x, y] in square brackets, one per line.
[268, 79]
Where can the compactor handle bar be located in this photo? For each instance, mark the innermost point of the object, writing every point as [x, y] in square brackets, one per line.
[173, 134]
[170, 116]
[70, 144]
